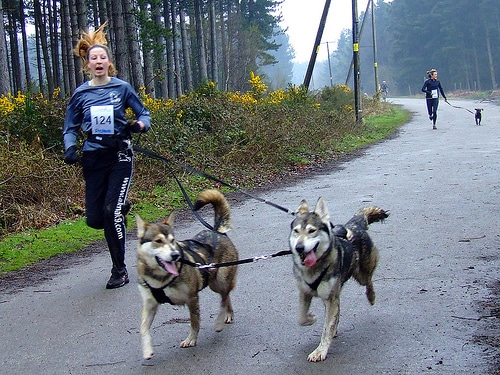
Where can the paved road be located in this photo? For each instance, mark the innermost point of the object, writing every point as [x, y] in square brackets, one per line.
[439, 254]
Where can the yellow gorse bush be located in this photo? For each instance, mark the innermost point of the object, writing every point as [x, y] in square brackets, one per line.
[9, 103]
[178, 116]
[154, 104]
[256, 94]
[198, 108]
[347, 108]
[345, 88]
[6, 105]
[246, 100]
[258, 87]
[56, 93]
[276, 97]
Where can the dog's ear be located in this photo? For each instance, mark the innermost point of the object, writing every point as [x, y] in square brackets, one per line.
[303, 207]
[170, 220]
[322, 210]
[141, 226]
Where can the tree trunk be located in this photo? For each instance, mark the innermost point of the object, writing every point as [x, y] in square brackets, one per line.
[4, 64]
[103, 11]
[490, 60]
[68, 61]
[188, 72]
[81, 16]
[43, 42]
[131, 30]
[147, 51]
[14, 53]
[39, 59]
[55, 47]
[167, 6]
[200, 40]
[75, 34]
[24, 38]
[159, 58]
[121, 57]
[177, 63]
[224, 50]
[213, 42]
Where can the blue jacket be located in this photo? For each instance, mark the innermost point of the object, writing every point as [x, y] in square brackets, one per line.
[86, 98]
[430, 85]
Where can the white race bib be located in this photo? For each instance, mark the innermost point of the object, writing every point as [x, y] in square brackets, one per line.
[434, 94]
[102, 118]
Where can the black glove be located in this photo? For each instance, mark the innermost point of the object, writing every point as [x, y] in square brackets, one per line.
[134, 126]
[70, 155]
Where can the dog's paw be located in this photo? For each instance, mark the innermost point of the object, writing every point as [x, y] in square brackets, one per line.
[317, 355]
[308, 320]
[147, 353]
[223, 319]
[188, 343]
[229, 319]
[147, 350]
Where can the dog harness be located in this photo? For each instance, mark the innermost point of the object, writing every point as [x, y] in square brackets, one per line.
[314, 286]
[340, 232]
[159, 293]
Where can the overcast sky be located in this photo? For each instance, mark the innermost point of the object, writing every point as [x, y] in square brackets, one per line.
[302, 20]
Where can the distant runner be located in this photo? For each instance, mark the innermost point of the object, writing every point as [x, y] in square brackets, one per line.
[432, 88]
[384, 89]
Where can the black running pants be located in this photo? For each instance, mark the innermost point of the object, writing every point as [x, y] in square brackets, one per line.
[108, 174]
[432, 107]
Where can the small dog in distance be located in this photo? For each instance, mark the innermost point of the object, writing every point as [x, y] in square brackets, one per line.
[478, 116]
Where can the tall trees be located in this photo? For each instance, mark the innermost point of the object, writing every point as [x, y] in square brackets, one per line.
[453, 36]
[457, 37]
[167, 45]
[171, 46]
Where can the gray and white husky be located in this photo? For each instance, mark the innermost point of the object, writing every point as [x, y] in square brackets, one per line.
[167, 273]
[325, 256]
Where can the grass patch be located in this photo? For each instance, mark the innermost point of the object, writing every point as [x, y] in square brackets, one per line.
[22, 249]
[376, 128]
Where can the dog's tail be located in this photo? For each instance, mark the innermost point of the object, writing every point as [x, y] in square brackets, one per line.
[374, 214]
[222, 220]
[366, 216]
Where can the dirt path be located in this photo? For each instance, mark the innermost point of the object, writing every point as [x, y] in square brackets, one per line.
[436, 309]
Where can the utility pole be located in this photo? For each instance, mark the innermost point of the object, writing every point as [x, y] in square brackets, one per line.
[355, 50]
[329, 64]
[374, 35]
[360, 34]
[314, 54]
